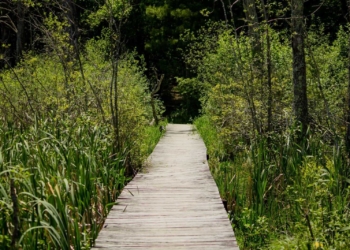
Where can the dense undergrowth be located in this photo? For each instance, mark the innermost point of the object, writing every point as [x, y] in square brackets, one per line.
[283, 191]
[283, 196]
[63, 178]
[60, 169]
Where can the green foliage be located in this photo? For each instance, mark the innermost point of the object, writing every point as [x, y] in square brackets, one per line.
[67, 176]
[209, 136]
[159, 12]
[193, 89]
[64, 177]
[327, 79]
[110, 9]
[39, 87]
[57, 38]
[274, 193]
[56, 143]
[55, 114]
[281, 194]
[232, 93]
[152, 136]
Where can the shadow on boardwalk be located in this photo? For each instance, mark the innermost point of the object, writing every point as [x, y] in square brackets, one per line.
[173, 204]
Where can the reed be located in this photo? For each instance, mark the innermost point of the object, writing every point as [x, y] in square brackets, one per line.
[283, 193]
[65, 179]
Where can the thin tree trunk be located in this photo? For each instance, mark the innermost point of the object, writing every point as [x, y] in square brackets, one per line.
[116, 44]
[245, 83]
[257, 66]
[114, 103]
[98, 99]
[299, 66]
[253, 29]
[20, 30]
[70, 14]
[269, 70]
[3, 40]
[317, 74]
[155, 89]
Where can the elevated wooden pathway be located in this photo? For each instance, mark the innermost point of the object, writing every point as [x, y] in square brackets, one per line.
[172, 204]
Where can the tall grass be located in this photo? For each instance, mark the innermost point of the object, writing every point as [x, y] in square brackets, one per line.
[63, 178]
[61, 173]
[281, 194]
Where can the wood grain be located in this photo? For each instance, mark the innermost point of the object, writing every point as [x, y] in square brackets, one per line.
[173, 203]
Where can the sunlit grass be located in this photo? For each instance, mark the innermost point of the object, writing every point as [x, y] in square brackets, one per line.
[283, 194]
[66, 178]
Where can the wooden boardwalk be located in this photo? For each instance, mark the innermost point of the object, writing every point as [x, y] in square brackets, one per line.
[172, 204]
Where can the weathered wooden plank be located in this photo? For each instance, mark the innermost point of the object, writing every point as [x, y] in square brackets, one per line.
[169, 245]
[194, 230]
[173, 203]
[166, 246]
[174, 232]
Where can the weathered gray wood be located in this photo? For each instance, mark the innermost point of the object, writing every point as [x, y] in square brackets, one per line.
[173, 203]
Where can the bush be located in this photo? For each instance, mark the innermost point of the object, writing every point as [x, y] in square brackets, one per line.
[281, 193]
[60, 172]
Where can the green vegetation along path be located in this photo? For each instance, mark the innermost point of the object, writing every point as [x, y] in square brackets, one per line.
[172, 204]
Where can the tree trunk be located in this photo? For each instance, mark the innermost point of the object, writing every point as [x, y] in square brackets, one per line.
[20, 30]
[269, 70]
[115, 29]
[70, 12]
[155, 89]
[299, 67]
[253, 28]
[247, 86]
[4, 38]
[257, 62]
